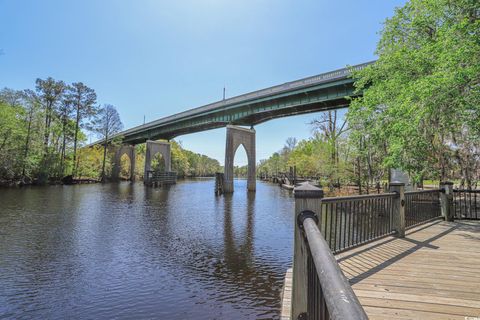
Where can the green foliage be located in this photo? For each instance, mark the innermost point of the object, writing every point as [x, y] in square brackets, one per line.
[420, 105]
[11, 132]
[90, 162]
[192, 164]
[38, 130]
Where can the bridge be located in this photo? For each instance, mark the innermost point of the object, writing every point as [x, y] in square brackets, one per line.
[326, 91]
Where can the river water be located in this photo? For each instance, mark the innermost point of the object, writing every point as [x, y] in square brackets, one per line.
[124, 251]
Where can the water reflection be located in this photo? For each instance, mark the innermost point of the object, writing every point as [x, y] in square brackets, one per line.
[125, 251]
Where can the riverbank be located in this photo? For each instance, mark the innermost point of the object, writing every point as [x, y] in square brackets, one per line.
[18, 183]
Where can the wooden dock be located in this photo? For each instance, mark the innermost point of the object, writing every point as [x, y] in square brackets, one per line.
[432, 273]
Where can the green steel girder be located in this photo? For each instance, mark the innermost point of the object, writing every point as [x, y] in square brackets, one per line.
[327, 91]
[313, 99]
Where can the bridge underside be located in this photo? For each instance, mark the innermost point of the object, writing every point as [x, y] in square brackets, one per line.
[251, 114]
[326, 91]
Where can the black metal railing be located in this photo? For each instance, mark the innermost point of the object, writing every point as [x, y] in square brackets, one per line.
[421, 206]
[329, 294]
[466, 204]
[350, 221]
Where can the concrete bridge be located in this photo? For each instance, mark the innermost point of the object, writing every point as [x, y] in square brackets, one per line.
[326, 91]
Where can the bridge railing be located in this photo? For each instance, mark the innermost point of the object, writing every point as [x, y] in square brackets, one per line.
[466, 204]
[326, 226]
[422, 206]
[347, 222]
[320, 290]
[329, 294]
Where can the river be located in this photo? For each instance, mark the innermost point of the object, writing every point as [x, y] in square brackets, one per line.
[124, 251]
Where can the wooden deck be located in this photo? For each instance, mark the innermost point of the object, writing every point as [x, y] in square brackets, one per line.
[433, 273]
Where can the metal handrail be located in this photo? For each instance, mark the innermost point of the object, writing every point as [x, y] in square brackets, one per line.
[341, 301]
[360, 197]
[423, 191]
[467, 190]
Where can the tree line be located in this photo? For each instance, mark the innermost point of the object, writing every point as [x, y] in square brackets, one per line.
[419, 108]
[42, 130]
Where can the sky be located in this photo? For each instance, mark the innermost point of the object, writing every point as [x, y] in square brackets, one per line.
[154, 58]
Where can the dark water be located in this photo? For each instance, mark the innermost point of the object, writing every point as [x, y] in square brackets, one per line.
[122, 251]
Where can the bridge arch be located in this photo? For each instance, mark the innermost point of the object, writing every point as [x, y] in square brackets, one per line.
[237, 136]
[158, 162]
[129, 151]
[157, 147]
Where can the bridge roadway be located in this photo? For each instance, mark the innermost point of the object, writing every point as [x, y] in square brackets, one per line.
[318, 93]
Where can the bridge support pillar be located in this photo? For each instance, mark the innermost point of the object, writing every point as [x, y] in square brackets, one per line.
[129, 150]
[152, 148]
[237, 136]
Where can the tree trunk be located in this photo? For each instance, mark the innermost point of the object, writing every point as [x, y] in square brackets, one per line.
[77, 125]
[64, 142]
[104, 159]
[27, 142]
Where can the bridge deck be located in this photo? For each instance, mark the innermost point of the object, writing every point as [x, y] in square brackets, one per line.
[433, 273]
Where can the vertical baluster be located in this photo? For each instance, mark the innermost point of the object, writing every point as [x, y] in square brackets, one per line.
[455, 204]
[476, 211]
[364, 220]
[380, 216]
[358, 220]
[371, 217]
[408, 209]
[390, 214]
[345, 215]
[375, 216]
[348, 218]
[470, 203]
[325, 223]
[386, 215]
[339, 227]
[330, 215]
[371, 211]
[335, 242]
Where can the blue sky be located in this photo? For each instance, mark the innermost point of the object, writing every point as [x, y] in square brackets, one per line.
[156, 58]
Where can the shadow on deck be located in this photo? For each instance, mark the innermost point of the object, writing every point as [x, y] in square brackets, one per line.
[432, 273]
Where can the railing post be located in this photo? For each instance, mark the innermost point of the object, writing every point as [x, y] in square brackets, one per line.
[399, 208]
[446, 200]
[307, 197]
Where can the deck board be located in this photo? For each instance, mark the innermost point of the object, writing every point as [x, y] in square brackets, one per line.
[433, 273]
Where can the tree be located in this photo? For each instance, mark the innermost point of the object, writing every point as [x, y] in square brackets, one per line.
[49, 93]
[84, 101]
[290, 144]
[106, 125]
[331, 128]
[65, 111]
[11, 131]
[421, 98]
[32, 103]
[11, 97]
